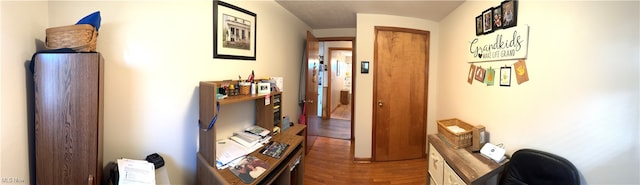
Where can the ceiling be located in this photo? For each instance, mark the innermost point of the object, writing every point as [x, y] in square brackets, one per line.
[325, 14]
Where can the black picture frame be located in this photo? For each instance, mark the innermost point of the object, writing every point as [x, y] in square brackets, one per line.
[509, 13]
[497, 17]
[505, 76]
[234, 32]
[479, 25]
[364, 67]
[487, 21]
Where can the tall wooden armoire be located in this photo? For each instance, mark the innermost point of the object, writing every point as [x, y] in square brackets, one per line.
[68, 124]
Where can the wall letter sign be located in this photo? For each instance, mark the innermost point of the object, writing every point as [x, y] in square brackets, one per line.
[505, 44]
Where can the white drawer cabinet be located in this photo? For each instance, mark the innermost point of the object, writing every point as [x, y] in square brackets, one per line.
[439, 171]
[451, 178]
[436, 166]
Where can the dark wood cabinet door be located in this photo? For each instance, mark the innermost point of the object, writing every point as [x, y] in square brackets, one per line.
[68, 118]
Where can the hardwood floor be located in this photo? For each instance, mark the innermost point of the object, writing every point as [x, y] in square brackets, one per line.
[329, 162]
[333, 128]
[342, 112]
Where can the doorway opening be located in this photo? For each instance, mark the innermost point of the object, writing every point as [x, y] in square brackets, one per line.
[335, 93]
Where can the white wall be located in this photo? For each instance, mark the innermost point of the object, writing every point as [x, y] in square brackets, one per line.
[364, 82]
[582, 100]
[155, 54]
[18, 44]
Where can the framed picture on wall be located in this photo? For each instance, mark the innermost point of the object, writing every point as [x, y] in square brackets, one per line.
[472, 70]
[480, 72]
[487, 21]
[497, 17]
[509, 13]
[234, 32]
[479, 25]
[505, 76]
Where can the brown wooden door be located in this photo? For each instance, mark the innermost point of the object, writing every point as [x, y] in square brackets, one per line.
[400, 93]
[68, 118]
[311, 95]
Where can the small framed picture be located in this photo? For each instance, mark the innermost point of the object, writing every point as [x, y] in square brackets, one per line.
[364, 67]
[264, 88]
[472, 70]
[487, 21]
[479, 25]
[480, 72]
[497, 17]
[505, 76]
[509, 13]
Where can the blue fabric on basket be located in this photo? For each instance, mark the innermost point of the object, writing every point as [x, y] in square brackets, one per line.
[93, 19]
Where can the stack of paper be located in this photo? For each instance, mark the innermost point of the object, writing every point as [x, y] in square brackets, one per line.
[231, 150]
[136, 172]
[245, 139]
[257, 130]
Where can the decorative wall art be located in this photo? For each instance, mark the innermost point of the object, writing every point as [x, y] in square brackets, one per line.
[505, 15]
[480, 74]
[521, 72]
[487, 21]
[498, 38]
[472, 70]
[497, 17]
[505, 76]
[479, 25]
[509, 13]
[490, 77]
[234, 32]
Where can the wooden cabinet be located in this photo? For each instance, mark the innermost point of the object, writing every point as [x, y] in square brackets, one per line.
[449, 166]
[286, 170]
[68, 89]
[344, 97]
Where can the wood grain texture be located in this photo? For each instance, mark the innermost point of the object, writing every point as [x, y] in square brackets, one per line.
[329, 163]
[68, 123]
[342, 111]
[400, 94]
[333, 128]
[312, 63]
[472, 168]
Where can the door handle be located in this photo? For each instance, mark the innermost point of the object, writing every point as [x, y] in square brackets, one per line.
[379, 103]
[308, 101]
[90, 179]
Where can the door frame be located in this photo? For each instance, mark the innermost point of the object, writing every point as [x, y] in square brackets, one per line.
[375, 81]
[353, 81]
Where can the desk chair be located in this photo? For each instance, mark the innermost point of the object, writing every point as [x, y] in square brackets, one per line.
[533, 167]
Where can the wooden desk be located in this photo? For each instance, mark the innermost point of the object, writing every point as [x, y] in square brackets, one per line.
[211, 175]
[471, 167]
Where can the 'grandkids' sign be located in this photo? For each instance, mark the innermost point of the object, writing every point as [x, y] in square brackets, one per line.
[505, 44]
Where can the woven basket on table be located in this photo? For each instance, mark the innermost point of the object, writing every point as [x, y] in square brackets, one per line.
[81, 37]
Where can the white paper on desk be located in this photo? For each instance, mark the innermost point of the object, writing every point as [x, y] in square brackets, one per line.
[136, 172]
[228, 150]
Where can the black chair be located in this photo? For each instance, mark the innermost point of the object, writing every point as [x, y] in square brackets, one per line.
[533, 167]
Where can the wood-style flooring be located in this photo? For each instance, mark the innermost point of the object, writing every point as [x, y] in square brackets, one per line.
[333, 128]
[342, 112]
[329, 162]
